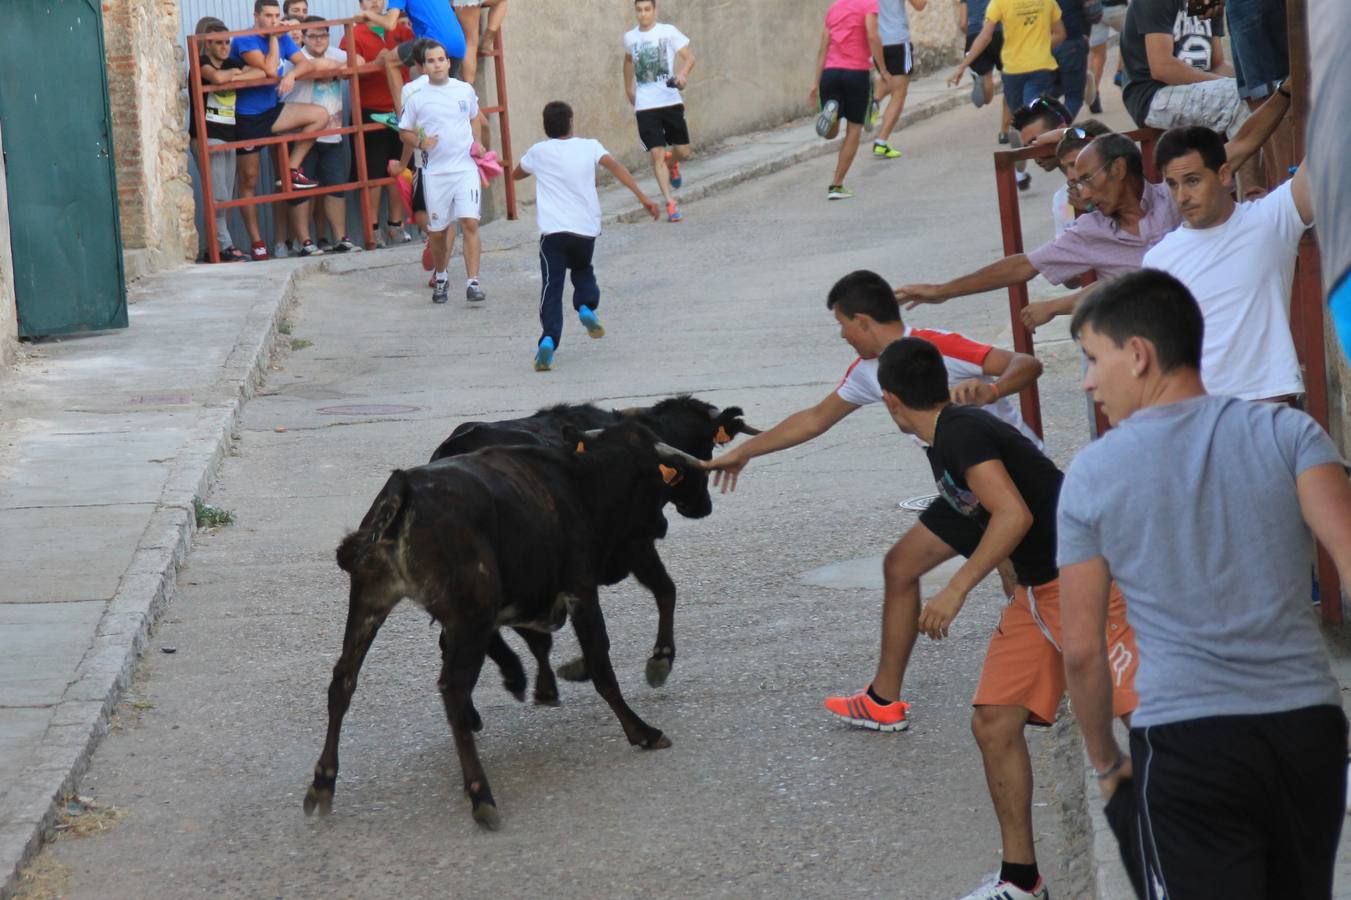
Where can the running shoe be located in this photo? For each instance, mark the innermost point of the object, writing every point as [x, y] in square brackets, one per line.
[1024, 181]
[862, 710]
[388, 119]
[1003, 137]
[673, 211]
[885, 151]
[258, 252]
[440, 294]
[1095, 107]
[674, 168]
[473, 293]
[309, 248]
[396, 234]
[544, 356]
[994, 889]
[427, 262]
[978, 91]
[1116, 79]
[838, 192]
[281, 250]
[590, 322]
[829, 115]
[870, 119]
[301, 181]
[345, 245]
[233, 254]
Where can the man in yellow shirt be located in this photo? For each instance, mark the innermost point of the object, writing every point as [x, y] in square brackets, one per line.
[1031, 29]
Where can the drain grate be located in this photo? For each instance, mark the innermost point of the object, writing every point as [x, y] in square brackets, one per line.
[918, 504]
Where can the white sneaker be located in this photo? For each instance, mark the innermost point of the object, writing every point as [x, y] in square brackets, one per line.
[279, 251]
[994, 889]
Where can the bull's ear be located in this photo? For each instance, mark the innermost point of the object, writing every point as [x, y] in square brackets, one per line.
[730, 424]
[669, 474]
[572, 437]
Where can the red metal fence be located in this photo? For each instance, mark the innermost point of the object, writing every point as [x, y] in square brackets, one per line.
[365, 180]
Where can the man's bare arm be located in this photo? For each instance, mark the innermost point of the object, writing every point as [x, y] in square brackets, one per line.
[617, 169]
[1253, 133]
[1325, 502]
[1167, 68]
[1009, 270]
[1084, 591]
[798, 428]
[684, 56]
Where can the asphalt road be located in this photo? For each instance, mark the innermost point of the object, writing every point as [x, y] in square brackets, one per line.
[762, 793]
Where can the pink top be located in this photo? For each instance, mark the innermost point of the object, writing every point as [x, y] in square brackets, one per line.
[846, 22]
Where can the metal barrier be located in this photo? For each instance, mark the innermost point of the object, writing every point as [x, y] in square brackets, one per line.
[364, 180]
[1306, 318]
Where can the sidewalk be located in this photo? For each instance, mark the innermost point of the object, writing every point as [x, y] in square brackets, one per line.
[106, 440]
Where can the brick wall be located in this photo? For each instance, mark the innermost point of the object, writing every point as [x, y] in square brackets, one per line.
[145, 84]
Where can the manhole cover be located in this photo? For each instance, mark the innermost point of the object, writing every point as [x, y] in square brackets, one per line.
[174, 399]
[368, 409]
[918, 504]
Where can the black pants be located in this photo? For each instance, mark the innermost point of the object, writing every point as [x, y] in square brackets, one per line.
[559, 253]
[1235, 806]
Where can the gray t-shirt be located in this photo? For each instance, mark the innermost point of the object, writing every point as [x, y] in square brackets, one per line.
[893, 25]
[1193, 506]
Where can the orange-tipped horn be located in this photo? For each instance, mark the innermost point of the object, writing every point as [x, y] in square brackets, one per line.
[669, 474]
[581, 447]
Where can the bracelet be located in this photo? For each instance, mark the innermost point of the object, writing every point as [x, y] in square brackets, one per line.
[1112, 769]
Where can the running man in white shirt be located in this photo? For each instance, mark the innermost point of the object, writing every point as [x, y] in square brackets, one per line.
[568, 213]
[1238, 261]
[978, 375]
[438, 123]
[653, 81]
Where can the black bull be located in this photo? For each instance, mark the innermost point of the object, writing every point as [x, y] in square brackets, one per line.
[683, 422]
[519, 536]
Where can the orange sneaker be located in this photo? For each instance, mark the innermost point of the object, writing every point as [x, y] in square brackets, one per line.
[862, 710]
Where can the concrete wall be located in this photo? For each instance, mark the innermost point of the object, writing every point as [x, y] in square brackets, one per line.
[756, 62]
[9, 316]
[145, 83]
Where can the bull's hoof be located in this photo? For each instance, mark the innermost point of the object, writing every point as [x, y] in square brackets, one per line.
[574, 670]
[485, 814]
[657, 742]
[658, 670]
[475, 720]
[516, 685]
[317, 798]
[547, 700]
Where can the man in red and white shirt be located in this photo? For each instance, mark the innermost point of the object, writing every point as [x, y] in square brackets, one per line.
[978, 375]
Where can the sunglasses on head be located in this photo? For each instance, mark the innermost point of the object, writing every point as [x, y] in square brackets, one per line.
[1043, 103]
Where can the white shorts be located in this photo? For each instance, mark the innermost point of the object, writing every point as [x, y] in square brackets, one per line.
[450, 197]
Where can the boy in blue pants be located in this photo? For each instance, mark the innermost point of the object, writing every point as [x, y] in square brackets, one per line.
[568, 212]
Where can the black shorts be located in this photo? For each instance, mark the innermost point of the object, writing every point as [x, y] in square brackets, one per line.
[419, 198]
[326, 164]
[663, 127]
[951, 527]
[900, 58]
[851, 88]
[255, 127]
[989, 57]
[1235, 806]
[381, 147]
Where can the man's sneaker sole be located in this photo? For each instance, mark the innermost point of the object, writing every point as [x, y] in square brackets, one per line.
[828, 116]
[592, 325]
[475, 294]
[873, 724]
[441, 293]
[544, 358]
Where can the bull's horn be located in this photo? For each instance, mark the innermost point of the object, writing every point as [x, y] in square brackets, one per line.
[593, 433]
[666, 451]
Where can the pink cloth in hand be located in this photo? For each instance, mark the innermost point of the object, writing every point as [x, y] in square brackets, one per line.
[404, 182]
[488, 166]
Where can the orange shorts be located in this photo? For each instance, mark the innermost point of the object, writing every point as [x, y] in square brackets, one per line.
[1024, 666]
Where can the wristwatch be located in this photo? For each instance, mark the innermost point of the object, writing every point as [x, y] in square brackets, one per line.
[1283, 88]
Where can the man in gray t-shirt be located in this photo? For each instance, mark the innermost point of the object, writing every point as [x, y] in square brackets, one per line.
[1200, 508]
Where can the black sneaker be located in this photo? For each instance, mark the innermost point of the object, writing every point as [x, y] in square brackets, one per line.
[474, 294]
[439, 292]
[1003, 137]
[1095, 107]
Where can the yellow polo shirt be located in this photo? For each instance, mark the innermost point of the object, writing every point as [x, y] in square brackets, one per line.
[1027, 33]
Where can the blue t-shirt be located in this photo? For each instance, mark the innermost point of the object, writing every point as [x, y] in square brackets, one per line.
[975, 15]
[436, 20]
[257, 100]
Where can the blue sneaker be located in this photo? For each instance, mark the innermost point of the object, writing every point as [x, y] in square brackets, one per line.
[544, 356]
[590, 322]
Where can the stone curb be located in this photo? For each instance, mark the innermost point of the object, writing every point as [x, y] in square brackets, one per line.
[147, 587]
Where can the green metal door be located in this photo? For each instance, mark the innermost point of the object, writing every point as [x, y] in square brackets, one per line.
[58, 157]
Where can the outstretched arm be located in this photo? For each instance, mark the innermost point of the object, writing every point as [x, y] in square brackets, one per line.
[1259, 126]
[1009, 270]
[798, 428]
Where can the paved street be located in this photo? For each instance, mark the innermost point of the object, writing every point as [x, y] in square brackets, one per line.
[762, 793]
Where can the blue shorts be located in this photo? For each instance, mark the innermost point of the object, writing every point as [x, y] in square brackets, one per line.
[1257, 36]
[1020, 90]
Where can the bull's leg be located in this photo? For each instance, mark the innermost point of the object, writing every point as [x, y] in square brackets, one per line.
[460, 665]
[540, 644]
[651, 574]
[513, 673]
[364, 619]
[589, 624]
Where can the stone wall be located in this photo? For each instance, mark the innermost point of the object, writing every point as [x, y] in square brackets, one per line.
[9, 315]
[937, 40]
[145, 83]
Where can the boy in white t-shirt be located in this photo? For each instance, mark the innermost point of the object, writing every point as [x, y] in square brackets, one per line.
[653, 82]
[567, 210]
[438, 123]
[1238, 261]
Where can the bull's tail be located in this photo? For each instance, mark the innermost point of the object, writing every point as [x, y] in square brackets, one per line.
[360, 552]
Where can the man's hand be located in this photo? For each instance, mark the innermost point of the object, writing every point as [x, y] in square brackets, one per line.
[1120, 778]
[426, 142]
[1036, 314]
[287, 84]
[974, 392]
[939, 612]
[915, 294]
[956, 78]
[726, 469]
[651, 206]
[681, 81]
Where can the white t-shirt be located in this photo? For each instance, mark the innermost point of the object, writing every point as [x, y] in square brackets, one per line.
[565, 184]
[444, 111]
[963, 358]
[1241, 273]
[654, 52]
[327, 94]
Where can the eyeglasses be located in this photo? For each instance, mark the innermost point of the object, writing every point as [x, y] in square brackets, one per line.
[317, 35]
[1078, 184]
